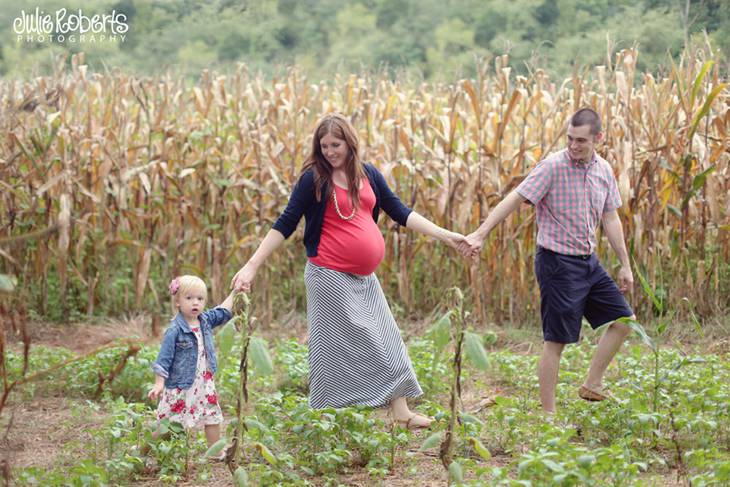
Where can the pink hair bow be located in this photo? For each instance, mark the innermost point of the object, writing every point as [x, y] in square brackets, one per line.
[174, 286]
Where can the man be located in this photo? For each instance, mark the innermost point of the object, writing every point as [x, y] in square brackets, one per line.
[572, 191]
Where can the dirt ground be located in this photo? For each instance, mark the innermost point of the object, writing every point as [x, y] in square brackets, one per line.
[47, 431]
[86, 336]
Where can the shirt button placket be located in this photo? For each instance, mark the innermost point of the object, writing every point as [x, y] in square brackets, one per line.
[586, 198]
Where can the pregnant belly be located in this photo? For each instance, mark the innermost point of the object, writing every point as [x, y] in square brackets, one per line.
[355, 250]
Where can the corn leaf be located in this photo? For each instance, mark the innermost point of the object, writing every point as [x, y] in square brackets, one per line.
[216, 448]
[474, 350]
[456, 474]
[480, 449]
[260, 357]
[240, 477]
[432, 441]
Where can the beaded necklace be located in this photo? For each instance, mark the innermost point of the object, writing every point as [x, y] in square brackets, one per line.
[337, 207]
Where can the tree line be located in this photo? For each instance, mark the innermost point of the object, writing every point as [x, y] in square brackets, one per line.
[436, 40]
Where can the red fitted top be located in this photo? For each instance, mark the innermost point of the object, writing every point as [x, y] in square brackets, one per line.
[354, 246]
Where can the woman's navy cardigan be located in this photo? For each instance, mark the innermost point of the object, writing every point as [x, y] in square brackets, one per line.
[303, 202]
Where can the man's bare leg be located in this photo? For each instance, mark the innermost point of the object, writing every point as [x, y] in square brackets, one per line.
[608, 345]
[547, 374]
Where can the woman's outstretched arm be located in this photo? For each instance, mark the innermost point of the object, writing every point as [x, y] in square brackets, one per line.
[244, 277]
[422, 225]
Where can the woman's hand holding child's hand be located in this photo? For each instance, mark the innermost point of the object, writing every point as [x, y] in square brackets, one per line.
[244, 277]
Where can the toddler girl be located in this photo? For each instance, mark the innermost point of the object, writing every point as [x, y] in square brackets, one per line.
[186, 363]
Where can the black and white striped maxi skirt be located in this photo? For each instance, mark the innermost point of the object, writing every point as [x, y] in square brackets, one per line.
[356, 353]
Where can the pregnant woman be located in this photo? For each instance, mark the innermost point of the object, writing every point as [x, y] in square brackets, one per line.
[356, 354]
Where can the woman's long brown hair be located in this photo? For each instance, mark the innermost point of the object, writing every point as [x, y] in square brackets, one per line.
[340, 128]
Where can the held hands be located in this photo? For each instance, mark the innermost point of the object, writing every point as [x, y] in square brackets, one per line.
[243, 278]
[455, 240]
[625, 279]
[474, 243]
[468, 246]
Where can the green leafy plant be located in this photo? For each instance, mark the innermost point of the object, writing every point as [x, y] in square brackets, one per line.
[474, 351]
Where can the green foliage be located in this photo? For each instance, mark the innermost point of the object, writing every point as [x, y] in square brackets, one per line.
[456, 474]
[40, 358]
[260, 357]
[475, 350]
[291, 356]
[115, 452]
[240, 477]
[216, 448]
[421, 36]
[432, 441]
[430, 366]
[114, 294]
[627, 442]
[81, 378]
[7, 283]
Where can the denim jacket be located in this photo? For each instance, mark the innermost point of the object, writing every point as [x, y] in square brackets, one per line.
[178, 355]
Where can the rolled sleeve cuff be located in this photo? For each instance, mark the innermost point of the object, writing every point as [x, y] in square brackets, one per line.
[529, 197]
[612, 203]
[159, 370]
[224, 314]
[404, 216]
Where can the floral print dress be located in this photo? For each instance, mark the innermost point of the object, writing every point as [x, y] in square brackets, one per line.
[197, 405]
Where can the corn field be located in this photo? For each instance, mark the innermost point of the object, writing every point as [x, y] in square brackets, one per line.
[112, 184]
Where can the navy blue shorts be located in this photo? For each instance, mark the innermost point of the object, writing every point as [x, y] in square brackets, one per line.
[572, 287]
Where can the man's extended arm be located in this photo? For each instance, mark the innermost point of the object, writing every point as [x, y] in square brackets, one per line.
[505, 207]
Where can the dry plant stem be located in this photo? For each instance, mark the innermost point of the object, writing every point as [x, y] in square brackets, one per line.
[13, 313]
[29, 236]
[187, 452]
[681, 468]
[243, 304]
[447, 446]
[131, 191]
[393, 448]
[131, 352]
[5, 470]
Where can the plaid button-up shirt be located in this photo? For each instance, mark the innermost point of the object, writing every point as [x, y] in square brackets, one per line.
[570, 199]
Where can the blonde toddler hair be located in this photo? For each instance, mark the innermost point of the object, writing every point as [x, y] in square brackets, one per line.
[184, 284]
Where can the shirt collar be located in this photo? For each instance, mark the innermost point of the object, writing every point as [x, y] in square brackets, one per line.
[180, 321]
[582, 165]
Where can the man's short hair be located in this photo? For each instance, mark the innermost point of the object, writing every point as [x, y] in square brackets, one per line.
[587, 116]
